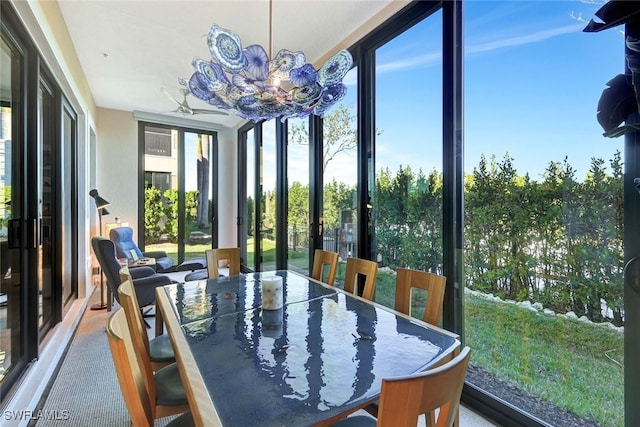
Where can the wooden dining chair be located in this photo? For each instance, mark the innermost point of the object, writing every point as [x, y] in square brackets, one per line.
[404, 399]
[364, 267]
[165, 397]
[159, 348]
[215, 256]
[433, 284]
[322, 259]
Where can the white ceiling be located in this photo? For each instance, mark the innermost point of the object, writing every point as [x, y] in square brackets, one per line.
[129, 50]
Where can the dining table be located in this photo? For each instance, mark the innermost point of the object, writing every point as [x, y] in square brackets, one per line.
[321, 355]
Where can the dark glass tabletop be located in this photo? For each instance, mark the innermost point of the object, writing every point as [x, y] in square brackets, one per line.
[322, 354]
[203, 299]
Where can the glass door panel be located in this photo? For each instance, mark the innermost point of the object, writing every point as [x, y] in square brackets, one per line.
[268, 197]
[408, 150]
[198, 179]
[10, 218]
[160, 190]
[179, 183]
[46, 209]
[543, 212]
[69, 284]
[248, 240]
[340, 176]
[298, 186]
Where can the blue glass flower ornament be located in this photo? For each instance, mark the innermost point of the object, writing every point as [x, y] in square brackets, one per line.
[220, 100]
[306, 95]
[257, 61]
[198, 86]
[216, 78]
[336, 67]
[284, 62]
[226, 49]
[330, 96]
[303, 76]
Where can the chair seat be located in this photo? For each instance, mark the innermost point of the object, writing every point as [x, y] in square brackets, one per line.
[161, 350]
[184, 420]
[356, 421]
[197, 275]
[169, 388]
[164, 264]
[192, 264]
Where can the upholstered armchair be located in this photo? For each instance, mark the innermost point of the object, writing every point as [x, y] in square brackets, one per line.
[122, 237]
[145, 279]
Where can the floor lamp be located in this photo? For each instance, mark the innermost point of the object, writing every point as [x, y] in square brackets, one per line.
[101, 205]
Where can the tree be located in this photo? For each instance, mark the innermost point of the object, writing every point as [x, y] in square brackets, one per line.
[339, 133]
[298, 212]
[154, 218]
[338, 196]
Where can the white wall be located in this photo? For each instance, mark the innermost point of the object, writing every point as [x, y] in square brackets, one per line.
[227, 188]
[117, 164]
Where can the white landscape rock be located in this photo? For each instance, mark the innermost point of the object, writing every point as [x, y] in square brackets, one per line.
[539, 308]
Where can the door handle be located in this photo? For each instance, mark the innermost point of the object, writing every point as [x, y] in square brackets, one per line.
[36, 235]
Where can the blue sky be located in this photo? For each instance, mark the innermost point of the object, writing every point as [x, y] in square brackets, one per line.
[532, 83]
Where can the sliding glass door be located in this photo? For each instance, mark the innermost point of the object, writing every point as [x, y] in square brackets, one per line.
[267, 212]
[543, 213]
[45, 242]
[298, 198]
[68, 211]
[247, 155]
[11, 197]
[408, 155]
[198, 218]
[180, 191]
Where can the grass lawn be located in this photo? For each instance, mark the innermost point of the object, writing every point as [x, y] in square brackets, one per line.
[565, 361]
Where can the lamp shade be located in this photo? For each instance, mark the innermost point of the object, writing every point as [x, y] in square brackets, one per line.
[104, 211]
[100, 202]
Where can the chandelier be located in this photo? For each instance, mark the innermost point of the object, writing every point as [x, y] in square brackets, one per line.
[250, 82]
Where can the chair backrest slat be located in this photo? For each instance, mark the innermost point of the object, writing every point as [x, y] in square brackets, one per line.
[138, 333]
[359, 266]
[433, 284]
[403, 399]
[130, 376]
[214, 256]
[321, 259]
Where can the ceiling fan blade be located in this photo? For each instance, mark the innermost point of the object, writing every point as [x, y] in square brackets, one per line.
[184, 108]
[169, 96]
[202, 111]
